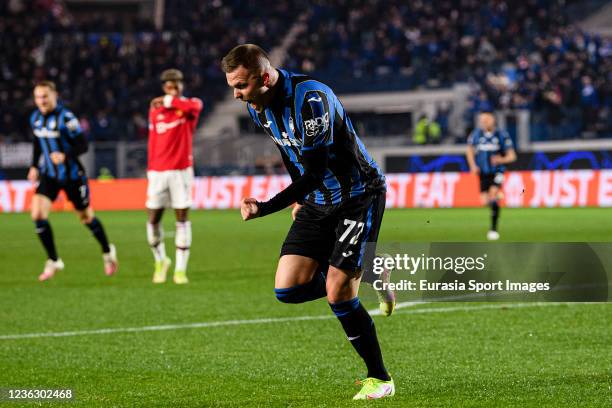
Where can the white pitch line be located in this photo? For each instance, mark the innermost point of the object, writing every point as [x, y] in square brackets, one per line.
[275, 320]
[278, 320]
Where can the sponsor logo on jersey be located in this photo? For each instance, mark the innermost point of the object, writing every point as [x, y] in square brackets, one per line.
[314, 99]
[285, 140]
[46, 133]
[163, 127]
[487, 147]
[316, 125]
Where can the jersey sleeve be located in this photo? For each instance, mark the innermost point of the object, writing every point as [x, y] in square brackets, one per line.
[151, 123]
[315, 123]
[191, 106]
[70, 124]
[36, 151]
[471, 140]
[506, 141]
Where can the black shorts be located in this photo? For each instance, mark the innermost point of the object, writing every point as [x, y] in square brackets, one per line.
[491, 179]
[336, 234]
[77, 191]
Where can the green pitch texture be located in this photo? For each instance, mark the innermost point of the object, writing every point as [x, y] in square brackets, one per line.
[548, 356]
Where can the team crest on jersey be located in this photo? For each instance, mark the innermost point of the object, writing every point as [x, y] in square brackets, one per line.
[51, 124]
[73, 124]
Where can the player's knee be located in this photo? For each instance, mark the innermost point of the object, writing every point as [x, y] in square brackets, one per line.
[292, 295]
[286, 295]
[41, 224]
[346, 307]
[338, 286]
[37, 216]
[85, 216]
[182, 238]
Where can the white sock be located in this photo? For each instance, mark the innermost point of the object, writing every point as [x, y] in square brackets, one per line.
[182, 257]
[155, 236]
[182, 240]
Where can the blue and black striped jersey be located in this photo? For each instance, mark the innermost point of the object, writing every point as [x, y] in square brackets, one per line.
[305, 115]
[58, 131]
[487, 144]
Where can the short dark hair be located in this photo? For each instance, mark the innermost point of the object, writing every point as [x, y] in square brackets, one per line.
[46, 83]
[171, 74]
[250, 56]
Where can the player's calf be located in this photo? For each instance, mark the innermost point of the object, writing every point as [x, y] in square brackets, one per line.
[155, 238]
[45, 234]
[360, 331]
[182, 240]
[96, 228]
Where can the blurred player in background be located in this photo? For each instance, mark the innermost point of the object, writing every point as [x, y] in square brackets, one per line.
[58, 137]
[489, 150]
[339, 189]
[172, 120]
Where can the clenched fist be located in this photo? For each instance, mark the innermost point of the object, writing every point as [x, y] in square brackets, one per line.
[249, 209]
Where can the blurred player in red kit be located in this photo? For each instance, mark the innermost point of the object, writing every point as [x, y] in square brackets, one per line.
[172, 120]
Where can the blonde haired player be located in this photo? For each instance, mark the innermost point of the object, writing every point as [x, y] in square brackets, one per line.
[488, 152]
[172, 120]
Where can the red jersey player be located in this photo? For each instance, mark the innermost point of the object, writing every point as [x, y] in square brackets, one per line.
[172, 120]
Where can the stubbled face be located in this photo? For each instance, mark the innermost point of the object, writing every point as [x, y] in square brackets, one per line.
[174, 88]
[45, 99]
[248, 87]
[486, 122]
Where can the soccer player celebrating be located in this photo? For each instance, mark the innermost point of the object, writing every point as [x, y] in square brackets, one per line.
[340, 193]
[58, 137]
[172, 120]
[489, 150]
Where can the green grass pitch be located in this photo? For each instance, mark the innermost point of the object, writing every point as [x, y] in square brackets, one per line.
[441, 355]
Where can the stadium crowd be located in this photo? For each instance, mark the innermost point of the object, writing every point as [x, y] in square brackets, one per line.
[108, 68]
[515, 53]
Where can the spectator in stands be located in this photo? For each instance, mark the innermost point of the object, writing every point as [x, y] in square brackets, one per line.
[426, 131]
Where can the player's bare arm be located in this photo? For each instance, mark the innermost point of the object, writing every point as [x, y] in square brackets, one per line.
[469, 154]
[33, 174]
[507, 158]
[157, 102]
[296, 209]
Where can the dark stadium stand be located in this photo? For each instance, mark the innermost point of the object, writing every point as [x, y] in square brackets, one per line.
[108, 68]
[516, 54]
